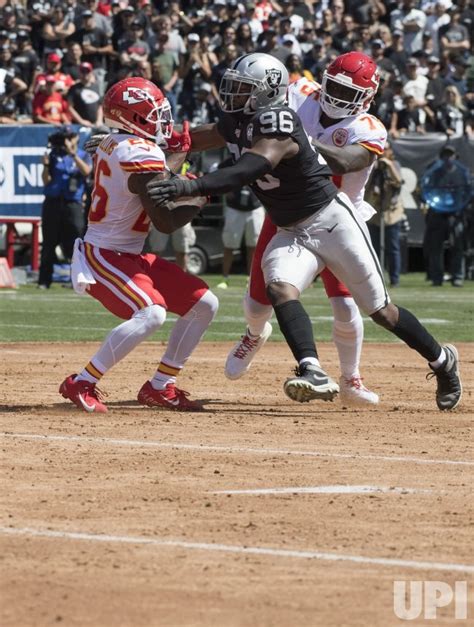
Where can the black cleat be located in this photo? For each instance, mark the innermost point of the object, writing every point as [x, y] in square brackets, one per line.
[311, 382]
[449, 390]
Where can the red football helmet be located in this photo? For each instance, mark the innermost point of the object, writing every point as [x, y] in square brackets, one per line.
[349, 85]
[137, 106]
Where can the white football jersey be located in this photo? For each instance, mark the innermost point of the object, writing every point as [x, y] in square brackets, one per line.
[363, 129]
[117, 220]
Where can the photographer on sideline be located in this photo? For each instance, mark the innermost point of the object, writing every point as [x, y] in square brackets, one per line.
[66, 168]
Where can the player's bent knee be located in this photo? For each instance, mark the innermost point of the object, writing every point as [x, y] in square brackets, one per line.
[153, 316]
[279, 293]
[387, 317]
[206, 307]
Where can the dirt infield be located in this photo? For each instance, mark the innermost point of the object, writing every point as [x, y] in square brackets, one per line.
[134, 518]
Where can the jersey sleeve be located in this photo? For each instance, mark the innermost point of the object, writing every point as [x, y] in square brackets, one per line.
[140, 156]
[300, 90]
[370, 133]
[275, 122]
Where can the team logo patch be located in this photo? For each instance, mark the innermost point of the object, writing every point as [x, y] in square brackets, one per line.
[340, 136]
[134, 95]
[249, 132]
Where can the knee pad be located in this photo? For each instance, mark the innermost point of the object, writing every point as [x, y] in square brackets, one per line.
[152, 317]
[255, 311]
[205, 309]
[344, 308]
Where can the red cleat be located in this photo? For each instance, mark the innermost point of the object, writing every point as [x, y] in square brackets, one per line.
[83, 394]
[171, 397]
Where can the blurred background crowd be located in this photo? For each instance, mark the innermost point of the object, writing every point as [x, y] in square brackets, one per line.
[57, 58]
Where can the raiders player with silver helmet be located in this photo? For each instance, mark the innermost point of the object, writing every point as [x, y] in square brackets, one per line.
[318, 227]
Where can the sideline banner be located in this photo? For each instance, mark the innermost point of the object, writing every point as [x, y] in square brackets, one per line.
[21, 152]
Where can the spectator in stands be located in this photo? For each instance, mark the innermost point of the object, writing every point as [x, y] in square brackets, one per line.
[96, 47]
[10, 87]
[415, 84]
[446, 189]
[411, 21]
[49, 103]
[435, 88]
[436, 21]
[317, 60]
[195, 69]
[65, 171]
[84, 99]
[408, 120]
[133, 48]
[296, 70]
[206, 109]
[458, 75]
[72, 59]
[53, 68]
[450, 115]
[454, 37]
[28, 62]
[164, 69]
[57, 27]
[346, 35]
[396, 52]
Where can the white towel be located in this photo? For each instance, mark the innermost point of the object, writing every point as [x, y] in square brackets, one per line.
[81, 274]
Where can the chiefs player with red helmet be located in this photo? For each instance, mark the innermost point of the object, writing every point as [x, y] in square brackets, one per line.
[108, 263]
[335, 117]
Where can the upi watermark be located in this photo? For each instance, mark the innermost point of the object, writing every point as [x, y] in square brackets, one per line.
[423, 598]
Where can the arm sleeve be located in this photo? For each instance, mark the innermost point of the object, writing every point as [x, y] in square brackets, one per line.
[247, 169]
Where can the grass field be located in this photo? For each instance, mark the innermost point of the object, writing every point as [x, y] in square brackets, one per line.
[28, 314]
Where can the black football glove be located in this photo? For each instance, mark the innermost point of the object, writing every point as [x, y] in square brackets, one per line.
[162, 192]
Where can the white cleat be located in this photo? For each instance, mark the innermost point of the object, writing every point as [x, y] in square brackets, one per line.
[354, 392]
[241, 356]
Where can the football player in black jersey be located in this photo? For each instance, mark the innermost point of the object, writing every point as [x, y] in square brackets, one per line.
[318, 226]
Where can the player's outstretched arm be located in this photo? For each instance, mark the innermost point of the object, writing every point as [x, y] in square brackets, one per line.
[261, 159]
[206, 137]
[346, 159]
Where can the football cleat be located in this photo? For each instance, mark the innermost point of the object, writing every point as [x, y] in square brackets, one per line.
[449, 389]
[354, 392]
[241, 356]
[171, 397]
[83, 394]
[310, 383]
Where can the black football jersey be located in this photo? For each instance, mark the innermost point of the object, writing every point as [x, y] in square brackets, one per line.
[297, 187]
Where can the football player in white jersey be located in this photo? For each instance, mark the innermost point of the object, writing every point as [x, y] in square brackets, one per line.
[109, 264]
[336, 120]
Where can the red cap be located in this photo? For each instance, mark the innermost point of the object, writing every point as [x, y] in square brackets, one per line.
[53, 57]
[86, 67]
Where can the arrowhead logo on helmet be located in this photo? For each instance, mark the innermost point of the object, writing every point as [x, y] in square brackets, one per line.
[133, 95]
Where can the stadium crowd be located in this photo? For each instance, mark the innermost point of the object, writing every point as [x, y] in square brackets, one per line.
[58, 58]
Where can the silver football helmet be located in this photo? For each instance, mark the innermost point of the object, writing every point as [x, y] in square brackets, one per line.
[254, 81]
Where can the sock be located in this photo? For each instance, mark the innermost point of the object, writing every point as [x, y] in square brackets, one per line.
[440, 361]
[124, 339]
[256, 315]
[185, 336]
[310, 360]
[91, 373]
[412, 332]
[348, 334]
[296, 326]
[165, 374]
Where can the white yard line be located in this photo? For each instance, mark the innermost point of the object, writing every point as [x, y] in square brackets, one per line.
[230, 449]
[229, 548]
[329, 489]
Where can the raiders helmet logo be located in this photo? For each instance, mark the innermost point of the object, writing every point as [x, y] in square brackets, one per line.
[134, 95]
[273, 78]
